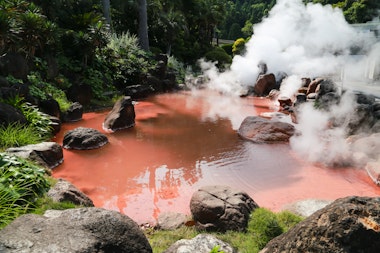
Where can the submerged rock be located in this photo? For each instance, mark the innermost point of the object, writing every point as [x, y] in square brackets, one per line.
[82, 138]
[261, 130]
[348, 225]
[221, 208]
[76, 231]
[121, 116]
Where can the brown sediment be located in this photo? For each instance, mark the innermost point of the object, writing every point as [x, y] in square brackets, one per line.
[187, 140]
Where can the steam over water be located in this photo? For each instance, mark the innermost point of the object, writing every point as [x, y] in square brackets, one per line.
[187, 140]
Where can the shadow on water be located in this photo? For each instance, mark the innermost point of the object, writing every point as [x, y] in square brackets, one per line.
[181, 142]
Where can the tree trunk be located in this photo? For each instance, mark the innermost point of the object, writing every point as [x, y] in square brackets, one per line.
[107, 11]
[143, 25]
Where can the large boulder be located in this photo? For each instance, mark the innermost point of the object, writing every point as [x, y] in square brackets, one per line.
[10, 115]
[264, 84]
[348, 225]
[64, 191]
[51, 107]
[47, 154]
[262, 130]
[82, 138]
[78, 230]
[221, 208]
[121, 116]
[14, 64]
[203, 243]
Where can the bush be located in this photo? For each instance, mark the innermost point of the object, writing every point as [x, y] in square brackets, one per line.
[220, 56]
[227, 48]
[21, 182]
[17, 135]
[239, 46]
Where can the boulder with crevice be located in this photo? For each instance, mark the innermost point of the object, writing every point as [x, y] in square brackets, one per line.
[221, 208]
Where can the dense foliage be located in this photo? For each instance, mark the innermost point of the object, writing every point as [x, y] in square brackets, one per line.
[21, 183]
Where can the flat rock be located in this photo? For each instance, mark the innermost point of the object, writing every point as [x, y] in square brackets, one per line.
[171, 220]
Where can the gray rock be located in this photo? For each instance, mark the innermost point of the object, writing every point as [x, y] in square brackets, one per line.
[171, 221]
[221, 208]
[47, 154]
[348, 225]
[81, 230]
[65, 191]
[306, 207]
[84, 138]
[261, 130]
[202, 243]
[121, 116]
[74, 113]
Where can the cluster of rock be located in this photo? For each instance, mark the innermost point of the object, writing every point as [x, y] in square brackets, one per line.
[347, 225]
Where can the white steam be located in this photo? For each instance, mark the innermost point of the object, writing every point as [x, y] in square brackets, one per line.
[304, 41]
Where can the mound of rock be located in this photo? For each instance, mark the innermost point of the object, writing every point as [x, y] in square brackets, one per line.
[262, 130]
[82, 138]
[348, 225]
[221, 208]
[75, 231]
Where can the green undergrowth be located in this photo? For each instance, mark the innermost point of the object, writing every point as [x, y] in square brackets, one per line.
[263, 226]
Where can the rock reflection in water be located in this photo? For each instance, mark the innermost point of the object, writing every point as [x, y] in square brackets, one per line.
[187, 140]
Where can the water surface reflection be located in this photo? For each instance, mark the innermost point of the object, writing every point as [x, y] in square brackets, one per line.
[187, 140]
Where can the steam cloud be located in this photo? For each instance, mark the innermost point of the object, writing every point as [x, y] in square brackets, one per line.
[303, 41]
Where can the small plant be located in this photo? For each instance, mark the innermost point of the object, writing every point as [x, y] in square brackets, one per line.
[21, 182]
[220, 56]
[17, 135]
[216, 249]
[238, 48]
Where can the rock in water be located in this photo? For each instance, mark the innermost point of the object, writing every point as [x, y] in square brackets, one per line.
[121, 116]
[82, 138]
[261, 130]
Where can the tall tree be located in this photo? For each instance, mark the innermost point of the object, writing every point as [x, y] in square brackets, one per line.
[107, 11]
[143, 25]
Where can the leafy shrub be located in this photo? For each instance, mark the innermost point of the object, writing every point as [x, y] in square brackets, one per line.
[178, 68]
[220, 56]
[21, 182]
[239, 46]
[227, 48]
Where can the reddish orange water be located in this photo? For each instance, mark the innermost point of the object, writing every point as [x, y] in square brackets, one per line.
[187, 140]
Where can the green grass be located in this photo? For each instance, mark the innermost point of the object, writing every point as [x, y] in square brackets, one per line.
[17, 135]
[262, 227]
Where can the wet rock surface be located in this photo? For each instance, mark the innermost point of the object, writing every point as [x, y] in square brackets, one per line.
[203, 243]
[171, 221]
[82, 138]
[47, 154]
[64, 191]
[348, 225]
[74, 113]
[221, 208]
[261, 130]
[74, 231]
[121, 116]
